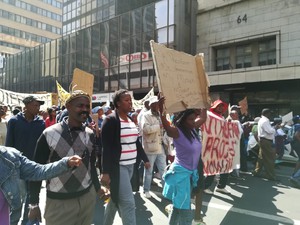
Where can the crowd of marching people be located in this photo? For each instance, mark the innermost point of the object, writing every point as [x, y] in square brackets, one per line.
[85, 153]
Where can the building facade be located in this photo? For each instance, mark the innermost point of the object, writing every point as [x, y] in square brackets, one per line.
[252, 49]
[25, 24]
[115, 50]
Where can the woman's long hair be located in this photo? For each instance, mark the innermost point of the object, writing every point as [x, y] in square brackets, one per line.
[179, 120]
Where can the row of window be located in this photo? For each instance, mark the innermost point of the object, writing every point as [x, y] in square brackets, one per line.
[54, 3]
[34, 9]
[139, 20]
[10, 45]
[23, 34]
[108, 12]
[256, 53]
[29, 22]
[104, 49]
[86, 5]
[86, 21]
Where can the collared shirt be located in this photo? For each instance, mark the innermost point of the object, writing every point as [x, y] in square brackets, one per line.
[264, 128]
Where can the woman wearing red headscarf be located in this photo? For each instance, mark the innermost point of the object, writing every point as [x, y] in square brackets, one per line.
[218, 108]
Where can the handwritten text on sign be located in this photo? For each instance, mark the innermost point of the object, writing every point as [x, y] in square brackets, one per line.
[221, 143]
[181, 78]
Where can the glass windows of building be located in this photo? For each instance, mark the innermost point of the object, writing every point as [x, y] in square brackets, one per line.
[23, 34]
[136, 22]
[116, 51]
[114, 29]
[161, 16]
[171, 11]
[123, 6]
[35, 9]
[30, 22]
[10, 45]
[258, 52]
[267, 52]
[86, 51]
[243, 56]
[87, 12]
[222, 59]
[104, 32]
[148, 18]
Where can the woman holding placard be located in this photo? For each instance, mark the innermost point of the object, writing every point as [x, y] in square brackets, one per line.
[188, 147]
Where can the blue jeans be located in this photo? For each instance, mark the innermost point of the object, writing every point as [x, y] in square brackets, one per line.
[181, 217]
[109, 213]
[160, 161]
[15, 215]
[126, 199]
[98, 212]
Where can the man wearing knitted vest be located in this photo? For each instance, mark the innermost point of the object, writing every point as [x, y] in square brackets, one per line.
[70, 197]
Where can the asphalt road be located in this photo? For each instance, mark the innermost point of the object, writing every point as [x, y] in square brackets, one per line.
[253, 201]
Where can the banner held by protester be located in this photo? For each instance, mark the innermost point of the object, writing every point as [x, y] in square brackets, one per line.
[12, 99]
[220, 145]
[139, 104]
[63, 95]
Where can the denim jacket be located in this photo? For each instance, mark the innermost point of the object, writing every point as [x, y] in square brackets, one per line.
[14, 166]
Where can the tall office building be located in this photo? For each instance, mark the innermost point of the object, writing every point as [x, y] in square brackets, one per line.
[79, 14]
[27, 23]
[108, 38]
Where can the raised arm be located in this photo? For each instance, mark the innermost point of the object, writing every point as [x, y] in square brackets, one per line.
[171, 131]
[201, 118]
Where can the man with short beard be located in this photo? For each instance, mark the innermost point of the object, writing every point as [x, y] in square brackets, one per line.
[70, 197]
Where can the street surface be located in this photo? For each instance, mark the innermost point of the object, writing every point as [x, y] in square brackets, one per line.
[253, 201]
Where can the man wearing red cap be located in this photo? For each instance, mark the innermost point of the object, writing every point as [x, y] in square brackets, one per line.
[218, 108]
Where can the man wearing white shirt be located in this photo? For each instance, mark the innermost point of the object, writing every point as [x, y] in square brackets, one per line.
[267, 154]
[141, 115]
[152, 132]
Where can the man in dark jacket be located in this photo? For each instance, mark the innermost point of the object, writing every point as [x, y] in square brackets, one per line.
[23, 131]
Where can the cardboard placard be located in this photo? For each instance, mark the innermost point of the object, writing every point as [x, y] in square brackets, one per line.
[181, 78]
[83, 81]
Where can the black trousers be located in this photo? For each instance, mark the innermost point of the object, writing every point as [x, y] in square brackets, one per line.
[222, 182]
